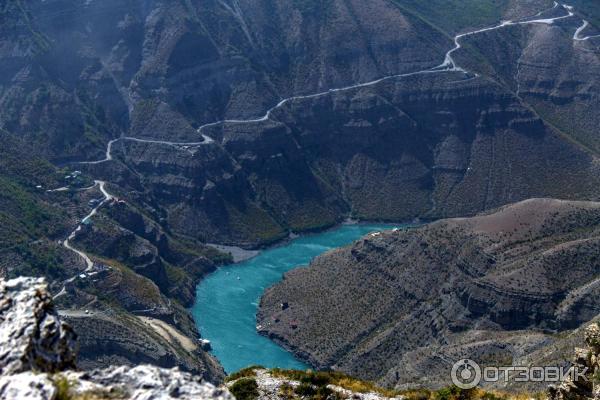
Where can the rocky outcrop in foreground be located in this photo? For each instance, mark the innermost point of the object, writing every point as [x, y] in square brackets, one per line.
[588, 360]
[32, 336]
[38, 350]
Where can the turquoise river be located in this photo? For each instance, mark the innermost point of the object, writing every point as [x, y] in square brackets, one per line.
[227, 300]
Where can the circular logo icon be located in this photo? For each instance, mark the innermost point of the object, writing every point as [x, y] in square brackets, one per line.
[466, 374]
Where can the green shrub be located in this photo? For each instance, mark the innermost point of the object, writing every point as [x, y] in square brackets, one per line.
[286, 391]
[307, 390]
[316, 379]
[455, 393]
[245, 389]
[63, 388]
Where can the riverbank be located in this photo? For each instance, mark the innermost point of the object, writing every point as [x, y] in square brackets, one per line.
[240, 254]
[227, 300]
[237, 253]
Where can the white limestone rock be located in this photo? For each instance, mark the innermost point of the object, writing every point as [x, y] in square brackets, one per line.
[32, 336]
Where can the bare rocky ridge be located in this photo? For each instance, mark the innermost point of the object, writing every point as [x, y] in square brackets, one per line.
[400, 307]
[37, 358]
[274, 385]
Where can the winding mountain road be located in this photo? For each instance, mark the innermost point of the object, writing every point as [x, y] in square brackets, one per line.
[449, 65]
[109, 157]
[578, 36]
[449, 62]
[66, 243]
[107, 197]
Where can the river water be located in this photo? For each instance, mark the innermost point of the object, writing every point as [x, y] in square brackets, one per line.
[227, 300]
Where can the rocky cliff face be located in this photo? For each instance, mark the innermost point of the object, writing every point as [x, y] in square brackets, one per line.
[38, 351]
[394, 304]
[33, 336]
[585, 359]
[161, 66]
[429, 146]
[551, 69]
[411, 148]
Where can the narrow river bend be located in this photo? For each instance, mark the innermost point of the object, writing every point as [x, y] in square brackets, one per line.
[227, 300]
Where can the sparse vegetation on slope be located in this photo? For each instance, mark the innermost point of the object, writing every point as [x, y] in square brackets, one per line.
[245, 389]
[390, 306]
[322, 385]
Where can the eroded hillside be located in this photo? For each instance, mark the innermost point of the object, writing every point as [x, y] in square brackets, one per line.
[402, 306]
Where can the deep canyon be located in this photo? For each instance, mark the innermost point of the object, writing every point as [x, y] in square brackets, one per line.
[136, 135]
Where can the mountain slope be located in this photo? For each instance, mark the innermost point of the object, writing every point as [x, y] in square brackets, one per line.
[403, 306]
[146, 75]
[333, 109]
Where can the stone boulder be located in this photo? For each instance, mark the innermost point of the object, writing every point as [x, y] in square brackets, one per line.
[27, 385]
[145, 382]
[38, 350]
[585, 386]
[32, 336]
[142, 382]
